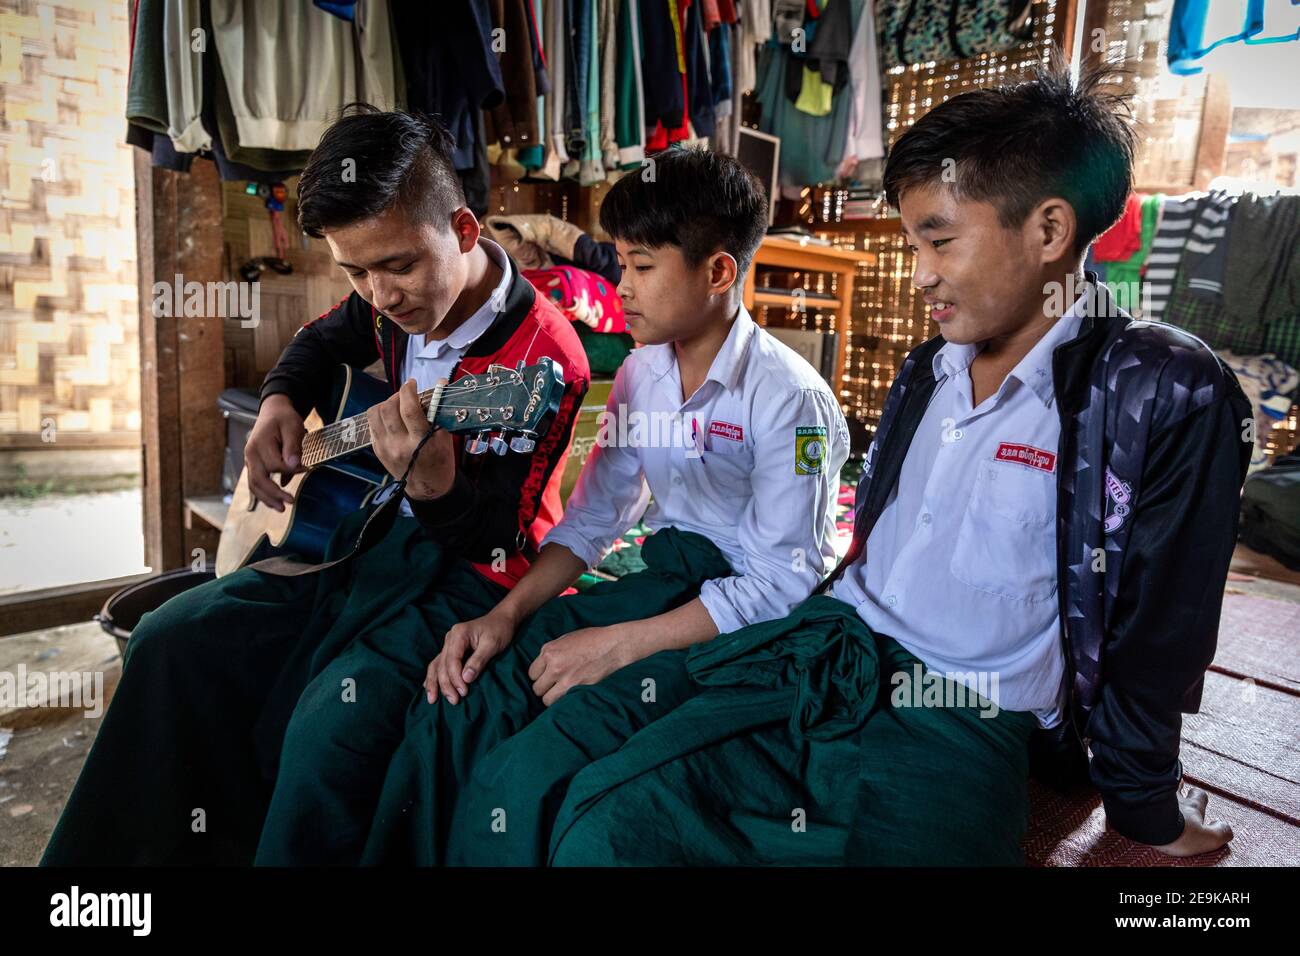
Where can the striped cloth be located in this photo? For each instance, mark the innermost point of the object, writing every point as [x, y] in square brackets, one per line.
[1176, 216]
[1206, 251]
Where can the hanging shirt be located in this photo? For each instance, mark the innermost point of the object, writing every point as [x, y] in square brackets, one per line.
[428, 360]
[750, 461]
[960, 568]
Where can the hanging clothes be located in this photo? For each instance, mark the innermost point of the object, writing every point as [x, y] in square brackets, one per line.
[1122, 239]
[591, 170]
[557, 155]
[607, 17]
[183, 76]
[864, 140]
[513, 122]
[946, 30]
[452, 73]
[1206, 252]
[1196, 27]
[664, 73]
[284, 96]
[1262, 273]
[1176, 215]
[629, 95]
[1124, 278]
[753, 28]
[812, 147]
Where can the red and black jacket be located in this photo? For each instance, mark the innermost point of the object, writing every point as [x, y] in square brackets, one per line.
[507, 502]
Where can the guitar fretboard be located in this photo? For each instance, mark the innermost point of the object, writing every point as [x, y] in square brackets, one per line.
[353, 434]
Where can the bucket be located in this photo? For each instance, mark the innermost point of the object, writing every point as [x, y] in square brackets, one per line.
[123, 610]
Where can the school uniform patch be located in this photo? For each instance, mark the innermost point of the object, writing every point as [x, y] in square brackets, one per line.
[1119, 502]
[727, 430]
[809, 449]
[1027, 455]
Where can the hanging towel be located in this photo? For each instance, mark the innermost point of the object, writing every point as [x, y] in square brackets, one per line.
[1176, 215]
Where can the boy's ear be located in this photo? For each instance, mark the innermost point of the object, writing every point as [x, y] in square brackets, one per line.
[465, 226]
[723, 272]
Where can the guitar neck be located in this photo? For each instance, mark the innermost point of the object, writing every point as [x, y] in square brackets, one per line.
[348, 435]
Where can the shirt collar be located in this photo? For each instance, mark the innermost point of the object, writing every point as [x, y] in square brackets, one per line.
[1035, 369]
[727, 364]
[463, 336]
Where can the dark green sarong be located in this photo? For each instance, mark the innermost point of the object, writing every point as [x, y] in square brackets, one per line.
[802, 751]
[199, 734]
[444, 743]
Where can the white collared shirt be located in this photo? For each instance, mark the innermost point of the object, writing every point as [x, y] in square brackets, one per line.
[428, 360]
[750, 461]
[960, 567]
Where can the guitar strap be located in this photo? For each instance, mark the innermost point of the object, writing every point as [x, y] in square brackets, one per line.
[378, 524]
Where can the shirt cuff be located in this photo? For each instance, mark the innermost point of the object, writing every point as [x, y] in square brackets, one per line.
[724, 614]
[447, 509]
[585, 551]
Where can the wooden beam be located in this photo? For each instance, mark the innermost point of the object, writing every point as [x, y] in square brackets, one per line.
[178, 229]
[1094, 18]
[1216, 122]
[52, 607]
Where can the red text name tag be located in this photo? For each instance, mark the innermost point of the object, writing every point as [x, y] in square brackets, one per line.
[1027, 455]
[727, 430]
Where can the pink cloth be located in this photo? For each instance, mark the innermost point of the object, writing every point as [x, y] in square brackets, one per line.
[581, 295]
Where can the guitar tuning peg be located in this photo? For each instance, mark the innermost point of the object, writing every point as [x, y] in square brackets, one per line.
[524, 443]
[498, 444]
[477, 445]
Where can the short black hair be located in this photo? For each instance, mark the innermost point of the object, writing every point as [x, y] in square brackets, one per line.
[1015, 145]
[696, 199]
[395, 158]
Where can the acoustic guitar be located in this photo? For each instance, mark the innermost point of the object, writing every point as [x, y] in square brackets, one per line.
[507, 409]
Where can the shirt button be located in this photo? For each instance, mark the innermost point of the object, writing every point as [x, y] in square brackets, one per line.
[677, 479]
[891, 600]
[925, 519]
[957, 434]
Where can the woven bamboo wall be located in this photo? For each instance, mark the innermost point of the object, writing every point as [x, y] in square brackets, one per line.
[69, 349]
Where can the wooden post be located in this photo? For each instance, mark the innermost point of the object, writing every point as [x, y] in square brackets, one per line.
[178, 229]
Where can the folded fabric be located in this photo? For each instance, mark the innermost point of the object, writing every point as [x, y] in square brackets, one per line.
[1270, 384]
[583, 296]
[798, 752]
[823, 650]
[1121, 240]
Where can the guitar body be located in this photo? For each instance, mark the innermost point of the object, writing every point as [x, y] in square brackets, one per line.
[322, 496]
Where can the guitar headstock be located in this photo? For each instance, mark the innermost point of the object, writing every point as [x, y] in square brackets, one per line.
[514, 405]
